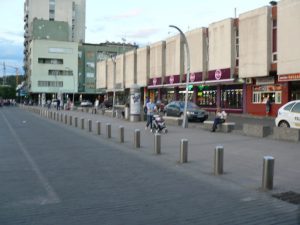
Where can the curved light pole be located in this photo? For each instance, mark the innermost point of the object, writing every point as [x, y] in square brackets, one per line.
[185, 122]
[113, 58]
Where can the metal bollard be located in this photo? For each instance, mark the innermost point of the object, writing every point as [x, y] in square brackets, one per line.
[108, 130]
[54, 116]
[268, 173]
[61, 117]
[76, 121]
[98, 127]
[157, 143]
[218, 160]
[90, 125]
[66, 119]
[82, 123]
[183, 151]
[70, 120]
[121, 134]
[137, 138]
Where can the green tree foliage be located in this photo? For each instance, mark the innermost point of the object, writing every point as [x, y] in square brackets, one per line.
[8, 91]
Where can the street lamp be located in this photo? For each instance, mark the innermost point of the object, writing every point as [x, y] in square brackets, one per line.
[185, 122]
[113, 59]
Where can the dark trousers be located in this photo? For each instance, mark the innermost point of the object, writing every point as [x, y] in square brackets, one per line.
[149, 121]
[216, 122]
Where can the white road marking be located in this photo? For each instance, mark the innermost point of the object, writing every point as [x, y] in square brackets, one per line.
[52, 196]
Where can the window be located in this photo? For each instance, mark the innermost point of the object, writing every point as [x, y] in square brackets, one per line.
[50, 83]
[289, 106]
[50, 61]
[296, 108]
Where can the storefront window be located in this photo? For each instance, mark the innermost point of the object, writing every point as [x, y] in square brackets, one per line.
[295, 90]
[207, 96]
[232, 97]
[273, 91]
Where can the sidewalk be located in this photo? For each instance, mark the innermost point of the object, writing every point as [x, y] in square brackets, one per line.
[243, 155]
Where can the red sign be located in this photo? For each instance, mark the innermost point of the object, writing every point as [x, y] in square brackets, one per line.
[171, 79]
[289, 77]
[154, 81]
[192, 77]
[218, 74]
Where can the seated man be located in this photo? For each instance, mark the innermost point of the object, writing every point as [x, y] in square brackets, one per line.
[220, 118]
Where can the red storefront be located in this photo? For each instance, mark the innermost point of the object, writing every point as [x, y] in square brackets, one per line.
[256, 92]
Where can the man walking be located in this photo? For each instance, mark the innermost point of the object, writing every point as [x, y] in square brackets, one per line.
[151, 108]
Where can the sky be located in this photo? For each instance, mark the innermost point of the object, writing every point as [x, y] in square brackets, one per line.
[142, 22]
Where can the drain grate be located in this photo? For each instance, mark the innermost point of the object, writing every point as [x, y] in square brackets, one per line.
[290, 196]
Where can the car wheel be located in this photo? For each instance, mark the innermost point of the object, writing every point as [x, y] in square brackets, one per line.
[284, 124]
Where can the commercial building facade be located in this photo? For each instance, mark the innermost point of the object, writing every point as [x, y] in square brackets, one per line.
[234, 63]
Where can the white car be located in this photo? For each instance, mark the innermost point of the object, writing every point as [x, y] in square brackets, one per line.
[289, 115]
[86, 103]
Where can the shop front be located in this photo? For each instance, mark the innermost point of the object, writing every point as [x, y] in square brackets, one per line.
[220, 90]
[263, 88]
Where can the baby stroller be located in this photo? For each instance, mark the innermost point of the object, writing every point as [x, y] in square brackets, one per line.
[158, 124]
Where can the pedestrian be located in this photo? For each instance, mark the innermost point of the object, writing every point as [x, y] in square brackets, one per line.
[49, 103]
[219, 119]
[58, 104]
[151, 108]
[268, 105]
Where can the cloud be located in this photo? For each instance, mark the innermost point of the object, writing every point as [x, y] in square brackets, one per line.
[125, 15]
[143, 33]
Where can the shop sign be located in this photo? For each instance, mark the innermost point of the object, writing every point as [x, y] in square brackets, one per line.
[171, 79]
[289, 77]
[192, 77]
[267, 88]
[155, 81]
[219, 74]
[265, 80]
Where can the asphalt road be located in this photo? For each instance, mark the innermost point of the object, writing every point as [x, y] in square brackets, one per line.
[55, 174]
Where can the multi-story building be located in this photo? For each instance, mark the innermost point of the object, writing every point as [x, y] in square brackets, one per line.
[53, 30]
[234, 63]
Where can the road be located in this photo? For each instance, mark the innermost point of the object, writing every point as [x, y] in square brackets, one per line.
[53, 173]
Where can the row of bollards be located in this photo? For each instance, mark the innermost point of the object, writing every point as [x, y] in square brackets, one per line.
[268, 161]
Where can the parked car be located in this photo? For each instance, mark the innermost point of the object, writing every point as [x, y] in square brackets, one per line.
[288, 115]
[86, 103]
[194, 112]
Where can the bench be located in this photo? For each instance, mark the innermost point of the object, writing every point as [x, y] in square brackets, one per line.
[223, 127]
[169, 120]
[256, 130]
[287, 134]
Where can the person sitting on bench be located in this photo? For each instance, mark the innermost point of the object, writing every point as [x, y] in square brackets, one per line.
[220, 118]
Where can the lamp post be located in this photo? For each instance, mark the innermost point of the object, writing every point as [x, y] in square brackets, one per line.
[113, 58]
[185, 122]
